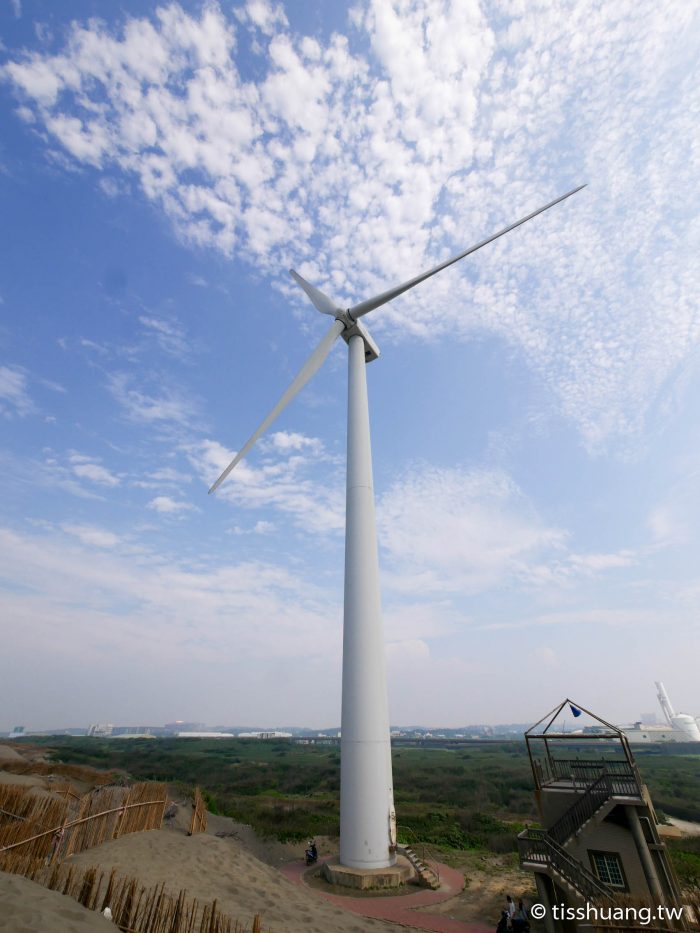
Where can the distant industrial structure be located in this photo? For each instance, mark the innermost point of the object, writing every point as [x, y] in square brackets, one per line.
[205, 735]
[679, 727]
[264, 735]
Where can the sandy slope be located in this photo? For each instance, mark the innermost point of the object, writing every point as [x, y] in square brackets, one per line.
[685, 826]
[26, 907]
[223, 869]
[238, 871]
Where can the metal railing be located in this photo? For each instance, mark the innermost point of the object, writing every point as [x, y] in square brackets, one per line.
[424, 853]
[535, 845]
[625, 780]
[582, 810]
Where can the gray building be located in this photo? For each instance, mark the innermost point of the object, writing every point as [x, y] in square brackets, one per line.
[600, 841]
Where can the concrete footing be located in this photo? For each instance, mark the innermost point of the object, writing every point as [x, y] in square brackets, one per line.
[364, 879]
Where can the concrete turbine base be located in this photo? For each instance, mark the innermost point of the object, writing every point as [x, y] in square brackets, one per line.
[365, 879]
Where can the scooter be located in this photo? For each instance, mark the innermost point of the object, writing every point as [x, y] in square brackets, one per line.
[311, 854]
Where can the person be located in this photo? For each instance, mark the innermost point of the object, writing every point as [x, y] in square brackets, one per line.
[503, 923]
[311, 852]
[510, 909]
[520, 921]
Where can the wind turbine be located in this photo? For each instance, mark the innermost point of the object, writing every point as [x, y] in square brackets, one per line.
[367, 817]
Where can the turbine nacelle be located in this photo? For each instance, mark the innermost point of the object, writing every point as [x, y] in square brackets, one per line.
[355, 329]
[326, 305]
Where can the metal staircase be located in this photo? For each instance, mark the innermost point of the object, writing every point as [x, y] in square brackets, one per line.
[582, 810]
[428, 877]
[546, 847]
[537, 846]
[426, 866]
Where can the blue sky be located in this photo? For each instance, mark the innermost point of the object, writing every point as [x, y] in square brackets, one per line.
[534, 411]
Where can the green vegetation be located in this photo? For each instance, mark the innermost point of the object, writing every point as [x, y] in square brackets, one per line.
[673, 778]
[472, 797]
[477, 796]
[685, 854]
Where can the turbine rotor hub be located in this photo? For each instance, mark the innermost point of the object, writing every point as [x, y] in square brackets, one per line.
[353, 328]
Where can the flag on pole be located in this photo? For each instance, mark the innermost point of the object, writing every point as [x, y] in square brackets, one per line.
[576, 712]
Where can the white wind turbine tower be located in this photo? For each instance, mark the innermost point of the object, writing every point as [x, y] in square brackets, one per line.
[367, 819]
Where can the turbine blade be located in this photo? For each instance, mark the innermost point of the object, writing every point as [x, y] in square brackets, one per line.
[364, 307]
[320, 301]
[310, 367]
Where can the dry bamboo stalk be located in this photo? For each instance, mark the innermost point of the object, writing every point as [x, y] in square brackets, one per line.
[198, 822]
[134, 907]
[70, 825]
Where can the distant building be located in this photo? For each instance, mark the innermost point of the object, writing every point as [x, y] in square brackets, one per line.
[17, 732]
[679, 727]
[264, 735]
[100, 729]
[640, 734]
[127, 731]
[205, 735]
[600, 836]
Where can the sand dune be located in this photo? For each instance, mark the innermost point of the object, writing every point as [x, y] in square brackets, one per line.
[212, 868]
[237, 872]
[26, 907]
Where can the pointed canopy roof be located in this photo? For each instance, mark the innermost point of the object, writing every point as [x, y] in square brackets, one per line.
[553, 724]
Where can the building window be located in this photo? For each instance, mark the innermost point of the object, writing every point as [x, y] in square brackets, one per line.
[608, 867]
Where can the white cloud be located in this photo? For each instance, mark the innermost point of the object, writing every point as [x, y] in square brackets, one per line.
[86, 468]
[111, 187]
[165, 476]
[169, 335]
[264, 527]
[595, 563]
[264, 15]
[68, 583]
[14, 396]
[91, 345]
[167, 406]
[290, 440]
[284, 483]
[373, 164]
[447, 531]
[91, 536]
[168, 506]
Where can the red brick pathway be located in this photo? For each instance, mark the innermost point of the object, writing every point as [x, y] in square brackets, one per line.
[400, 909]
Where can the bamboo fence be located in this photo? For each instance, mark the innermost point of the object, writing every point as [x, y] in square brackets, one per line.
[28, 821]
[137, 909]
[38, 831]
[65, 789]
[198, 823]
[34, 828]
